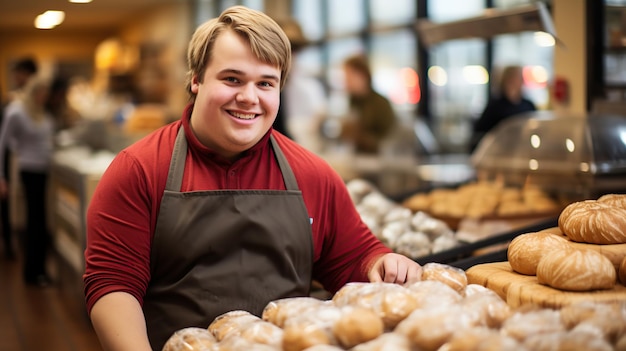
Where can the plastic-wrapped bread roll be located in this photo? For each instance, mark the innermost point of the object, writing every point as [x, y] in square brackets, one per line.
[324, 348]
[315, 327]
[230, 323]
[525, 251]
[429, 328]
[387, 341]
[595, 222]
[451, 276]
[480, 339]
[576, 270]
[357, 325]
[413, 244]
[489, 309]
[523, 324]
[278, 311]
[190, 339]
[235, 343]
[391, 302]
[262, 332]
[433, 293]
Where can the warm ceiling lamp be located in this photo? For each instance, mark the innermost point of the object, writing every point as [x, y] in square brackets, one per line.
[80, 1]
[49, 19]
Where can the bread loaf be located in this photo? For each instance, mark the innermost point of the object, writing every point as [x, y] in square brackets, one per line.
[618, 200]
[357, 325]
[576, 270]
[592, 221]
[622, 272]
[525, 251]
[190, 339]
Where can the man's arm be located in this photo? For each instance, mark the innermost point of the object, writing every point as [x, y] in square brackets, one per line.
[119, 322]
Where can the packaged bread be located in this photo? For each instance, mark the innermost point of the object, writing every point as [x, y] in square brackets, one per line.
[315, 327]
[595, 222]
[232, 322]
[387, 341]
[480, 339]
[452, 276]
[430, 328]
[488, 309]
[235, 343]
[576, 269]
[357, 325]
[433, 293]
[190, 339]
[262, 332]
[522, 324]
[278, 311]
[391, 302]
[525, 250]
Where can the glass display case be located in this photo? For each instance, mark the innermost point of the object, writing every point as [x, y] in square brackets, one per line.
[576, 157]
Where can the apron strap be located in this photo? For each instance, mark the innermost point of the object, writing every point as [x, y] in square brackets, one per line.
[290, 179]
[177, 164]
[179, 155]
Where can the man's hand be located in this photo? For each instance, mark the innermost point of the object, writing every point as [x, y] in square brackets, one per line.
[395, 268]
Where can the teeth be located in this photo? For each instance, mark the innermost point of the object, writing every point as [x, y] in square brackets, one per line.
[243, 116]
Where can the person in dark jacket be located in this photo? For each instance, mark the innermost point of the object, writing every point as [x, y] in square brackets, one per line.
[509, 101]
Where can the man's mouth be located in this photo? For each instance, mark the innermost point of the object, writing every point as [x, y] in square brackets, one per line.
[246, 116]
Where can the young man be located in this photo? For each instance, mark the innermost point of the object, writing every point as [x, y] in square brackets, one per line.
[218, 212]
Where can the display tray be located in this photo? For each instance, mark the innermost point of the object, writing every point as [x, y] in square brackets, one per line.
[468, 253]
[518, 289]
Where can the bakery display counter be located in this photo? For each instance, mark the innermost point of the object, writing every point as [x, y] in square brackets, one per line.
[75, 173]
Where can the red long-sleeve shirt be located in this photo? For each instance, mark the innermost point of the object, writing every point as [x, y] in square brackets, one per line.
[122, 215]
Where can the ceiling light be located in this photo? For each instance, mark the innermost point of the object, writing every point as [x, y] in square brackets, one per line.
[49, 19]
[80, 1]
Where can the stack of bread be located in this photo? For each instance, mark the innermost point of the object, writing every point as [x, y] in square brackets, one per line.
[483, 199]
[412, 234]
[584, 253]
[441, 312]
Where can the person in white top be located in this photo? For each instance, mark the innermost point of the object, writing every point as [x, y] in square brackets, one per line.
[29, 129]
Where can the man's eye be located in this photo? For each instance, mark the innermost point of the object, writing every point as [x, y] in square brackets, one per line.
[232, 79]
[266, 84]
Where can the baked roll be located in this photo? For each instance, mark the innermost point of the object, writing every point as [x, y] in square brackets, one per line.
[190, 339]
[451, 276]
[618, 200]
[525, 251]
[595, 222]
[576, 270]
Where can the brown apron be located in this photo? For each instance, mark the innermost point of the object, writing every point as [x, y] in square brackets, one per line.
[223, 250]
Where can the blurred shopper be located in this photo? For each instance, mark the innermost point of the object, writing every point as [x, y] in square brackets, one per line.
[218, 212]
[303, 100]
[23, 70]
[371, 116]
[29, 128]
[506, 102]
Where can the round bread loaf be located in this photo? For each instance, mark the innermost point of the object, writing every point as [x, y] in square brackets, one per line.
[526, 250]
[576, 270]
[622, 272]
[596, 222]
[618, 200]
[231, 322]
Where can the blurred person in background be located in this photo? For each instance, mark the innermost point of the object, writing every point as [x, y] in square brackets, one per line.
[29, 128]
[303, 100]
[507, 101]
[371, 116]
[23, 70]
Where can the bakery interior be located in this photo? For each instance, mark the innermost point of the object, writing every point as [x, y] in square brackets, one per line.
[460, 213]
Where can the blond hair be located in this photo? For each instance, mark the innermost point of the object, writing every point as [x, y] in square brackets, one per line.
[268, 41]
[35, 109]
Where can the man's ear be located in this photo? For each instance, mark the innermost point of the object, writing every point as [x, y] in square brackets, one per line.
[194, 84]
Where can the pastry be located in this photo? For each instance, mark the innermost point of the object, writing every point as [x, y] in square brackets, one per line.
[596, 222]
[357, 325]
[618, 200]
[576, 270]
[525, 251]
[190, 339]
[231, 323]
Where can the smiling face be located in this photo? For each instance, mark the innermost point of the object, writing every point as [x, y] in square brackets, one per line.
[237, 98]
